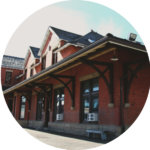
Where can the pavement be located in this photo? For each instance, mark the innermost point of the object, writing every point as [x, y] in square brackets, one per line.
[65, 141]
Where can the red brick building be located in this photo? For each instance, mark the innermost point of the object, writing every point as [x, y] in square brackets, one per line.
[73, 83]
[11, 67]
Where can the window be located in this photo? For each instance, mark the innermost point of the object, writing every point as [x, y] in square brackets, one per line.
[40, 107]
[43, 62]
[25, 74]
[89, 97]
[49, 48]
[54, 58]
[22, 107]
[59, 102]
[31, 71]
[8, 78]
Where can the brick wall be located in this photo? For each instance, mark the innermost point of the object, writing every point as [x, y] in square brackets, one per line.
[107, 116]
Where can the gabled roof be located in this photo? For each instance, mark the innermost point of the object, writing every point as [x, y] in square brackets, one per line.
[91, 36]
[60, 34]
[83, 41]
[100, 44]
[35, 52]
[12, 62]
[65, 35]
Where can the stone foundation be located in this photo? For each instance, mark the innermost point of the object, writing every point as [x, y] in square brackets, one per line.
[80, 129]
[36, 124]
[23, 123]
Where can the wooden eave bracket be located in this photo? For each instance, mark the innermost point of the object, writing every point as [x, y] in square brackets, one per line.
[109, 66]
[43, 89]
[72, 79]
[128, 80]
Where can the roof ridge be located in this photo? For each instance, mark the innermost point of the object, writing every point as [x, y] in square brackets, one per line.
[13, 56]
[34, 47]
[65, 31]
[80, 37]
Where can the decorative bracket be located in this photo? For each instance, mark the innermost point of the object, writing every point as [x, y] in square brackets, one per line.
[109, 66]
[43, 89]
[72, 79]
[128, 81]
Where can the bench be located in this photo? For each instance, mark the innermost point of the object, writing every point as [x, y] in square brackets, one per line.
[102, 132]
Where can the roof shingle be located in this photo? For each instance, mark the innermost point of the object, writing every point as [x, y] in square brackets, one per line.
[13, 62]
[35, 51]
[65, 35]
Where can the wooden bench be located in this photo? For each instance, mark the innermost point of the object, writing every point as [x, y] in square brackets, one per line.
[102, 132]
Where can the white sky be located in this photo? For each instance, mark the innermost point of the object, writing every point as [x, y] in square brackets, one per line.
[31, 30]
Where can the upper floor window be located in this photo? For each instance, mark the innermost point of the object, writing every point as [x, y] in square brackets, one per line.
[8, 78]
[54, 58]
[25, 74]
[31, 71]
[90, 97]
[43, 62]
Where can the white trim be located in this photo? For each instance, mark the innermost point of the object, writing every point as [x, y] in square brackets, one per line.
[35, 65]
[9, 70]
[44, 54]
[44, 41]
[17, 77]
[127, 46]
[27, 55]
[66, 45]
[56, 46]
[26, 68]
[32, 64]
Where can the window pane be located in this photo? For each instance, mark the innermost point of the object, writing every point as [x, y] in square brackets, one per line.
[62, 107]
[86, 87]
[22, 111]
[57, 107]
[86, 107]
[8, 78]
[23, 99]
[62, 93]
[95, 103]
[58, 93]
[95, 85]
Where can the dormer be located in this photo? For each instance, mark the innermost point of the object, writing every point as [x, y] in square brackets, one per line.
[53, 40]
[32, 61]
[77, 44]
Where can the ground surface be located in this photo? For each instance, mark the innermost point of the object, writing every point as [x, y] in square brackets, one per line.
[65, 141]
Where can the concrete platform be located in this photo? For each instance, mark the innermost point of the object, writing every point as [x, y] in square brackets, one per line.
[65, 141]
